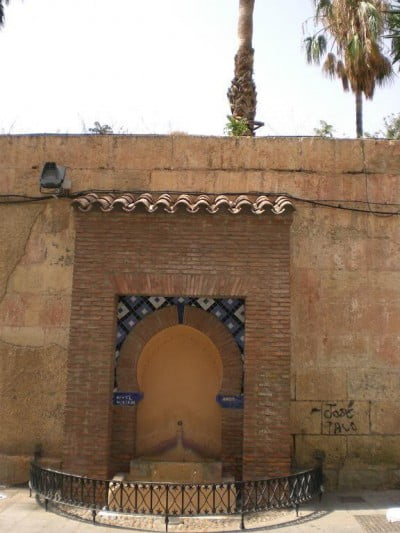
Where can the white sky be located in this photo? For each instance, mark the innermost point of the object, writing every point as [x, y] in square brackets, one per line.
[156, 66]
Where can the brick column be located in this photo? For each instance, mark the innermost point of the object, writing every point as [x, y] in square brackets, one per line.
[90, 369]
[266, 430]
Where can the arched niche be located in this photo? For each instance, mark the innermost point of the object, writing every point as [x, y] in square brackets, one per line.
[123, 444]
[179, 373]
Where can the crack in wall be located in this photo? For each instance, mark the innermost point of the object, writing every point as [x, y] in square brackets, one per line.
[34, 346]
[19, 259]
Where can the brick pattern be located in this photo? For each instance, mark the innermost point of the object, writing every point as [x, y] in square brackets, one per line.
[192, 255]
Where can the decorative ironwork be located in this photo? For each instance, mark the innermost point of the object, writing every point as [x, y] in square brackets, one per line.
[176, 499]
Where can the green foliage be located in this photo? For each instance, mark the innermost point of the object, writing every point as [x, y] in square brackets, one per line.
[392, 126]
[391, 131]
[325, 129]
[237, 127]
[315, 48]
[393, 22]
[100, 129]
[348, 34]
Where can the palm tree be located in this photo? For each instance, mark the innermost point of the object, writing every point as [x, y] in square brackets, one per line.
[242, 93]
[2, 3]
[355, 28]
[394, 30]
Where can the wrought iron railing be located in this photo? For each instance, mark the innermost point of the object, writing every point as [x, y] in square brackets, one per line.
[175, 499]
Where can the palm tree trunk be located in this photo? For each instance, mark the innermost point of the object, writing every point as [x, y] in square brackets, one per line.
[359, 114]
[242, 93]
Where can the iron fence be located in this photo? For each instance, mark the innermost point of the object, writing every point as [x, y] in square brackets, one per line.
[176, 499]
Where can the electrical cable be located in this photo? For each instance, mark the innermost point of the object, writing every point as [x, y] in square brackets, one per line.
[331, 203]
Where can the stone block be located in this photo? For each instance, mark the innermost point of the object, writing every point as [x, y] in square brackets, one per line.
[382, 254]
[382, 156]
[191, 152]
[331, 155]
[365, 478]
[306, 348]
[145, 152]
[383, 227]
[373, 450]
[32, 390]
[184, 180]
[334, 448]
[22, 336]
[387, 350]
[14, 469]
[43, 279]
[371, 384]
[7, 180]
[8, 152]
[318, 384]
[80, 151]
[330, 479]
[348, 349]
[385, 285]
[305, 418]
[114, 179]
[239, 153]
[385, 418]
[271, 153]
[384, 190]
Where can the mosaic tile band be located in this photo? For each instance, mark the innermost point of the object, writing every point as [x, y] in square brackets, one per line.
[132, 309]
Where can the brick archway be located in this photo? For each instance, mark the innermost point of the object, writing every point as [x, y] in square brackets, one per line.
[221, 256]
[124, 418]
[196, 318]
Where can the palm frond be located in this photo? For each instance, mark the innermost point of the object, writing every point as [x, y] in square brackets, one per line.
[330, 65]
[2, 4]
[354, 48]
[342, 74]
[315, 48]
[355, 29]
[323, 8]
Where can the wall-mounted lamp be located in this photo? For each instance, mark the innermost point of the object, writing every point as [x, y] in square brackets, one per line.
[53, 179]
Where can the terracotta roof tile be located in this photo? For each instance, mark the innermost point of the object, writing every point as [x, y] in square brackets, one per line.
[192, 203]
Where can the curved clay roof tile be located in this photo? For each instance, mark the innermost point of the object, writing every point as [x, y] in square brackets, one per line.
[192, 203]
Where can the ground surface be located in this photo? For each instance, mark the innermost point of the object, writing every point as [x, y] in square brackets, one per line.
[364, 512]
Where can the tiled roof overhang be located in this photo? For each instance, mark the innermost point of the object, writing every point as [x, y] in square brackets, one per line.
[192, 203]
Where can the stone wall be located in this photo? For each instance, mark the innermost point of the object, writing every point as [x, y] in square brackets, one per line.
[345, 283]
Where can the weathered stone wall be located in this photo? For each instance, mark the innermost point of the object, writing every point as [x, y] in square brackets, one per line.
[36, 259]
[344, 269]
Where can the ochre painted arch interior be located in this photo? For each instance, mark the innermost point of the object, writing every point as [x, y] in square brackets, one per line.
[179, 373]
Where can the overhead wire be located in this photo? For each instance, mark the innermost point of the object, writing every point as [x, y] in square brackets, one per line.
[330, 203]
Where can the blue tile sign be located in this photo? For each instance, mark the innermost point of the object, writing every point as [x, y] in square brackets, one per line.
[127, 398]
[230, 402]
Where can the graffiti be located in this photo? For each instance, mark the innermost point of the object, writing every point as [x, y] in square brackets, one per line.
[338, 419]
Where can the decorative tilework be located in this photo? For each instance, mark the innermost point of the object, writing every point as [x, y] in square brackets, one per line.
[132, 309]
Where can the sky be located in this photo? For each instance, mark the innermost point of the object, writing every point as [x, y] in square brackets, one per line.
[162, 66]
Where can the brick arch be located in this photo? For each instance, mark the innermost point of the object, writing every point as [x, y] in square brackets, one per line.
[124, 418]
[194, 317]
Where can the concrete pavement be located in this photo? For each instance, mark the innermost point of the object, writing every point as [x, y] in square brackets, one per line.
[355, 512]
